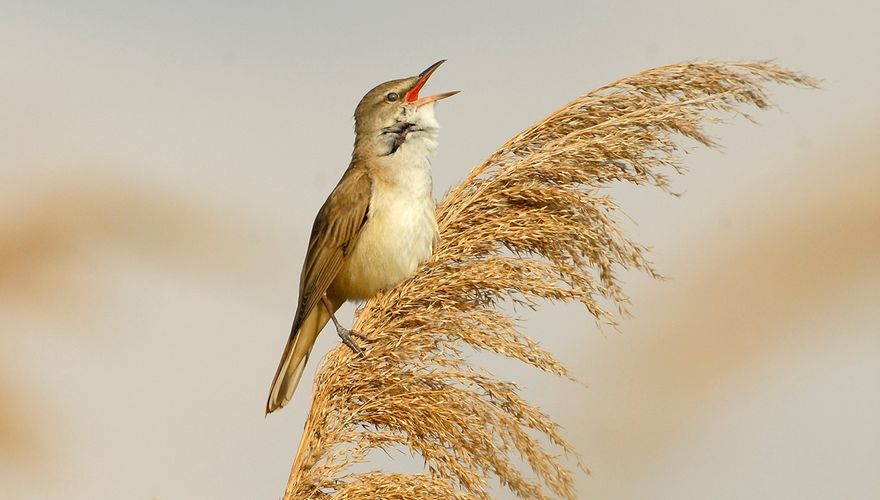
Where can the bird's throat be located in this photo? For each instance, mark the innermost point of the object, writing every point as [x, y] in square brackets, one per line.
[417, 140]
[395, 136]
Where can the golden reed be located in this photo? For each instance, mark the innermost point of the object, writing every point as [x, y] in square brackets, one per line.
[532, 223]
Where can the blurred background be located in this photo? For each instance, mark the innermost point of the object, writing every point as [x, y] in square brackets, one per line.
[161, 164]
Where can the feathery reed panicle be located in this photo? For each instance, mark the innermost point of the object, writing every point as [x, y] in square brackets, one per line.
[530, 224]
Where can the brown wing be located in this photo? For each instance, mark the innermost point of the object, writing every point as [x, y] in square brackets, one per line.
[334, 233]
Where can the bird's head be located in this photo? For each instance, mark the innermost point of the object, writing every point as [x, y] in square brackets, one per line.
[393, 111]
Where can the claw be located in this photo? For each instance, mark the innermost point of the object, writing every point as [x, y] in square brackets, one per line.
[345, 334]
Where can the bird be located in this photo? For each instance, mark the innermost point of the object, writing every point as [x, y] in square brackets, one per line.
[376, 227]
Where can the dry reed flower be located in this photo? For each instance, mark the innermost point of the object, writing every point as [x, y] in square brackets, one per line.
[529, 224]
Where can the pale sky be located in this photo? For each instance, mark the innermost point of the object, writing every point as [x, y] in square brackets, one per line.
[162, 164]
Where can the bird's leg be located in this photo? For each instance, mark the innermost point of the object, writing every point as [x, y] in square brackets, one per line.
[344, 333]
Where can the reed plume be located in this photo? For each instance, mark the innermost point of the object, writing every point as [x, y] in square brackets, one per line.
[531, 224]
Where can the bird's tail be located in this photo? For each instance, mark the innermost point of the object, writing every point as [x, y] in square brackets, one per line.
[293, 361]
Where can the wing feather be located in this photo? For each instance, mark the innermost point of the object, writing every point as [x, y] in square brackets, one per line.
[334, 233]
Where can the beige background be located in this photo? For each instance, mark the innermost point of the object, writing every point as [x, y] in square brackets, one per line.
[161, 163]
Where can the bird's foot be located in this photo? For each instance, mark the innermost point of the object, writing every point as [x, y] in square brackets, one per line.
[346, 335]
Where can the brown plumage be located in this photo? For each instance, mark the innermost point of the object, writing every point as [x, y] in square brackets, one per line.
[376, 226]
[334, 234]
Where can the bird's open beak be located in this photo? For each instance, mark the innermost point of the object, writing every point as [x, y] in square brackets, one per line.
[412, 96]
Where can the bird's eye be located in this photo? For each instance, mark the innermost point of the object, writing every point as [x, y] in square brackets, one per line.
[392, 96]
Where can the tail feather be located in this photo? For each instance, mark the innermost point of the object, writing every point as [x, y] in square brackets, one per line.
[293, 361]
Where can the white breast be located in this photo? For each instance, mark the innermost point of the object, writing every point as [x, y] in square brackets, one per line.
[401, 227]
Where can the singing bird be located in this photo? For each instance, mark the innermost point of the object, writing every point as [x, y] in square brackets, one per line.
[376, 227]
